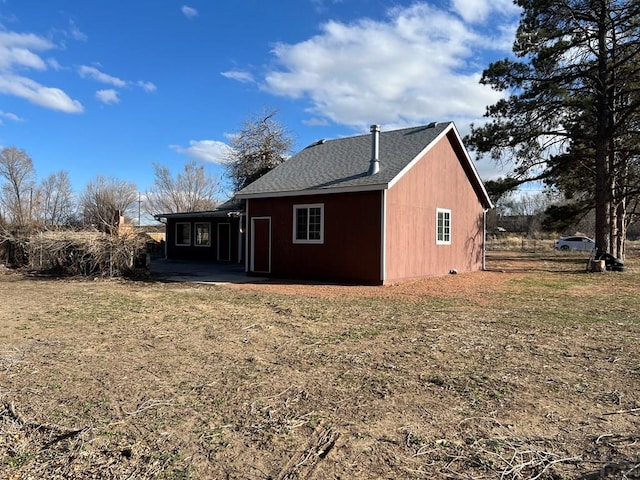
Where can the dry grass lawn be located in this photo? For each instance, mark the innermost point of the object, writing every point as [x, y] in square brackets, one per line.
[530, 370]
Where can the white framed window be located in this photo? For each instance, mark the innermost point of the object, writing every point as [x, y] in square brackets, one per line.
[203, 234]
[183, 234]
[443, 226]
[308, 223]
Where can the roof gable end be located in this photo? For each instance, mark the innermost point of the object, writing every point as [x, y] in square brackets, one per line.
[342, 165]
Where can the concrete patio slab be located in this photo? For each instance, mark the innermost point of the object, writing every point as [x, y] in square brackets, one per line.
[200, 272]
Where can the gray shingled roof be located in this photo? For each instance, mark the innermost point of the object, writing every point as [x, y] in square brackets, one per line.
[343, 163]
[231, 206]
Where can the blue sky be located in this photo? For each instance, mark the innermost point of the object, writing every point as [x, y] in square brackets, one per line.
[110, 87]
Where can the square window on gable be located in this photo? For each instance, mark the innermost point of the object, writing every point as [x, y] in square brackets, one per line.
[443, 226]
[308, 223]
[183, 234]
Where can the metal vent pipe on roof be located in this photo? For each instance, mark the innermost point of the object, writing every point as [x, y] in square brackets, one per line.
[374, 164]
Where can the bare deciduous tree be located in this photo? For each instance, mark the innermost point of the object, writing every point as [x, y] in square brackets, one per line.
[16, 168]
[527, 204]
[56, 206]
[261, 145]
[104, 200]
[192, 190]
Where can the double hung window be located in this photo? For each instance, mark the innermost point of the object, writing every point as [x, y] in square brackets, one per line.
[443, 226]
[308, 223]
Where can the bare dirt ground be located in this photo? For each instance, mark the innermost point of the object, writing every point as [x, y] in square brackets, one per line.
[530, 370]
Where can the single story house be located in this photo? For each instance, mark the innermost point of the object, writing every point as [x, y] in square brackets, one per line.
[377, 208]
[211, 236]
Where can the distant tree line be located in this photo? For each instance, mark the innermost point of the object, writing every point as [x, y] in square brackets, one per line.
[27, 204]
[52, 204]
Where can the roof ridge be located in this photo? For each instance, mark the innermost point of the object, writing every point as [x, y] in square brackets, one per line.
[415, 127]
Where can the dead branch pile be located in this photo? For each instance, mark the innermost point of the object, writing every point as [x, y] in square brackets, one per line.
[13, 247]
[88, 254]
[75, 253]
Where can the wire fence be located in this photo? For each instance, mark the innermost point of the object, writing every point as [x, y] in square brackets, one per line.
[520, 244]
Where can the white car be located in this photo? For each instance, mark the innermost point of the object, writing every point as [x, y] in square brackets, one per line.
[577, 243]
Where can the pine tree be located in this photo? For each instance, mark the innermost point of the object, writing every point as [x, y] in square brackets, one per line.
[572, 106]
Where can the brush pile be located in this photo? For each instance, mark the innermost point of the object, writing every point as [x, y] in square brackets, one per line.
[72, 253]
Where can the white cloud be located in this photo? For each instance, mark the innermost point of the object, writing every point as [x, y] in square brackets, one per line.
[35, 93]
[111, 96]
[24, 40]
[189, 12]
[108, 96]
[208, 150]
[146, 86]
[86, 71]
[9, 116]
[75, 32]
[320, 5]
[421, 64]
[53, 63]
[478, 11]
[92, 72]
[20, 57]
[20, 51]
[244, 77]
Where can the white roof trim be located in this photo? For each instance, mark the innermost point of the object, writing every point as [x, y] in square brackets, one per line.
[435, 141]
[419, 156]
[473, 167]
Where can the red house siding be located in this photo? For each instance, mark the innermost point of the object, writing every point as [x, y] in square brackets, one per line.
[352, 237]
[438, 180]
